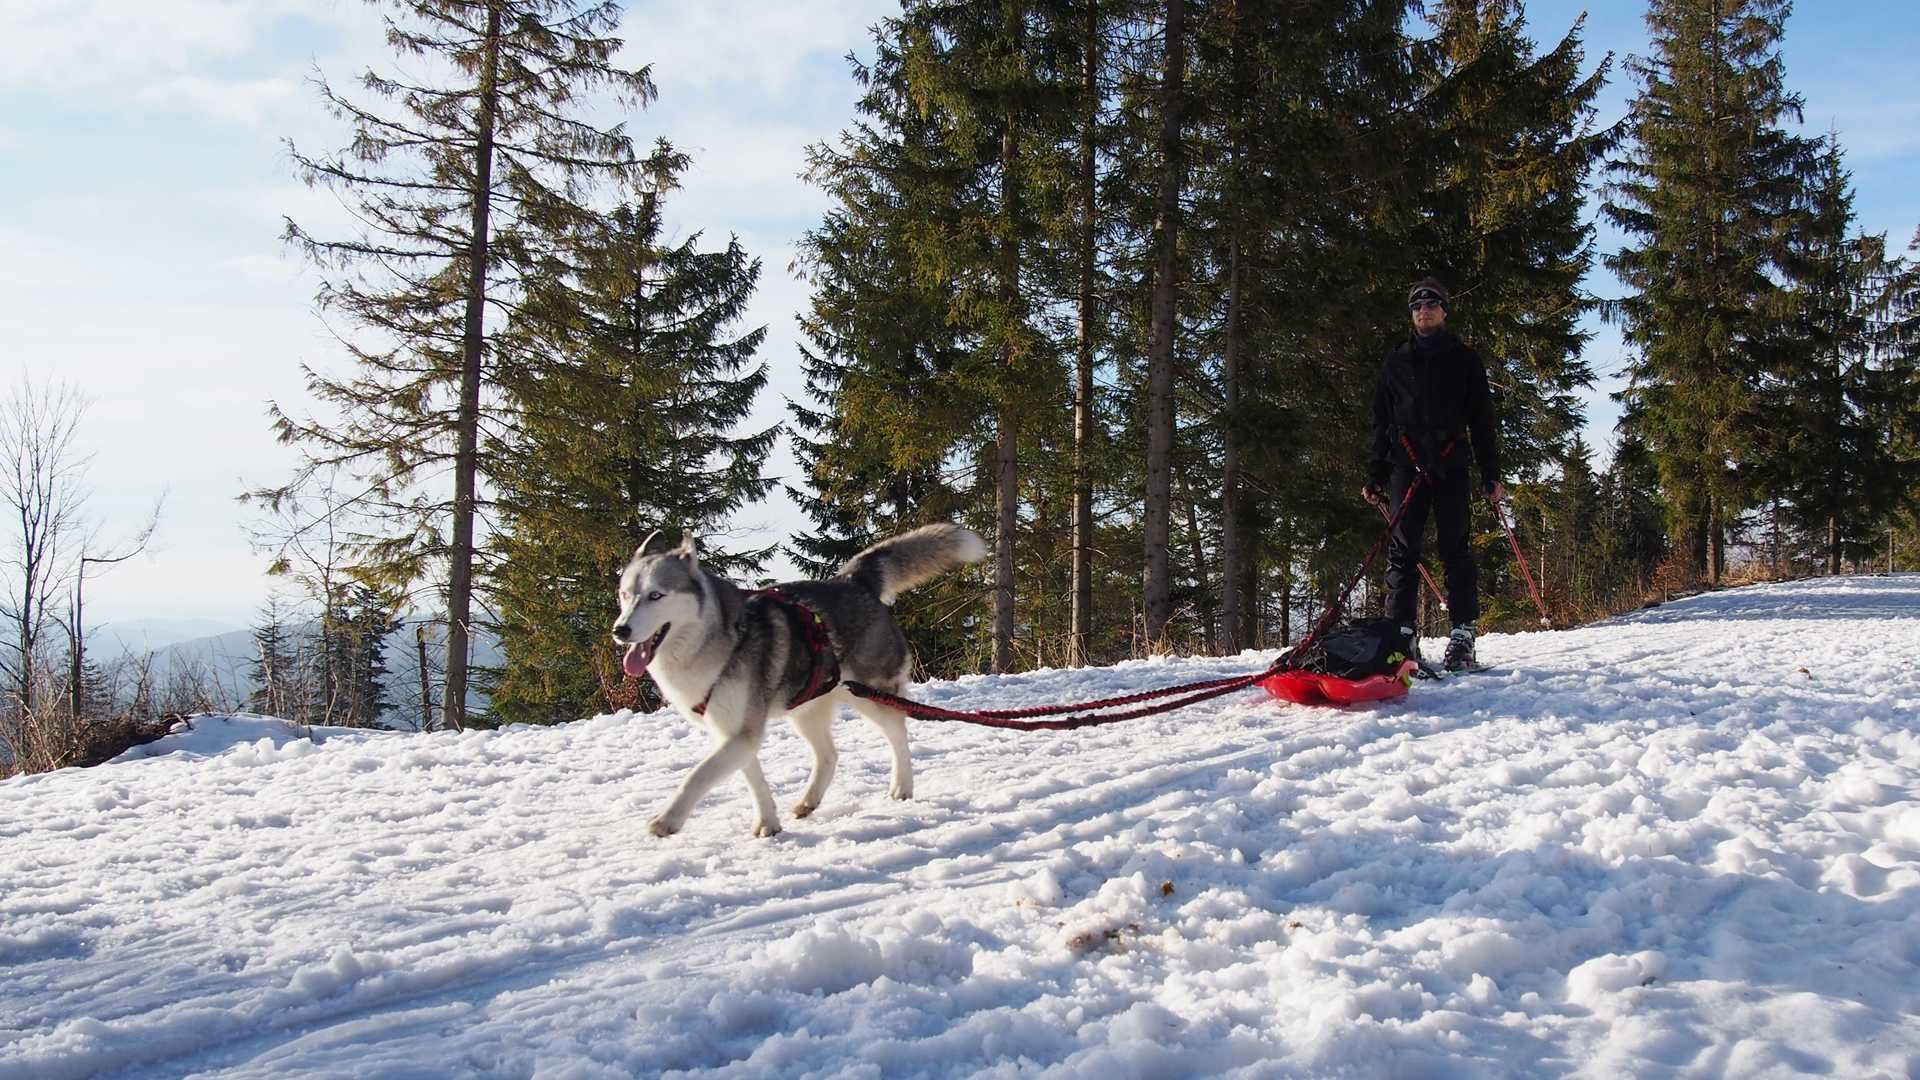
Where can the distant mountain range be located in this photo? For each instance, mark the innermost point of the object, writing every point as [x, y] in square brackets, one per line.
[137, 636]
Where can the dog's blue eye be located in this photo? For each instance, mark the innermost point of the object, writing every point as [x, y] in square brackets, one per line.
[656, 596]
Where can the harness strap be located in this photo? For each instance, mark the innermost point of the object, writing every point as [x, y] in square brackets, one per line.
[1413, 456]
[824, 673]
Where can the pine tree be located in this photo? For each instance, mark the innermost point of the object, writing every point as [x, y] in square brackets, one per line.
[275, 665]
[1572, 580]
[1829, 390]
[998, 80]
[1708, 195]
[456, 183]
[885, 412]
[1502, 219]
[350, 658]
[1169, 179]
[1631, 540]
[628, 426]
[931, 374]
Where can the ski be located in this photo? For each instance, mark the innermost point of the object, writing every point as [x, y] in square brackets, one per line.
[1428, 671]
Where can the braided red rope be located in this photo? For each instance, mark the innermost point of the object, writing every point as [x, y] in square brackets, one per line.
[998, 718]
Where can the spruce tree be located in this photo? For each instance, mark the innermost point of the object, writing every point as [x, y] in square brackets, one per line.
[1298, 180]
[1169, 178]
[1511, 133]
[998, 78]
[351, 657]
[1632, 531]
[456, 182]
[1082, 247]
[1707, 195]
[1573, 580]
[274, 668]
[877, 421]
[1833, 380]
[933, 370]
[627, 424]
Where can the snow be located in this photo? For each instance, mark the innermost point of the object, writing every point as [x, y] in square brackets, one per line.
[1681, 843]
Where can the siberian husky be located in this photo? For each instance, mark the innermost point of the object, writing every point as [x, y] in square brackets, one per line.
[736, 658]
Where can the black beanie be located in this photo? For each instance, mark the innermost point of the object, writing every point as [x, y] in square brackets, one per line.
[1428, 289]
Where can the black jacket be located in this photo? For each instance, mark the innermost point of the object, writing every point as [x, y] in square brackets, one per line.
[1433, 391]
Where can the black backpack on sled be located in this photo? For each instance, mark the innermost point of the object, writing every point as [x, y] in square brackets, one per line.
[1358, 649]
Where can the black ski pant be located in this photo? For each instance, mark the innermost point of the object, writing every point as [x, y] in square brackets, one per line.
[1448, 494]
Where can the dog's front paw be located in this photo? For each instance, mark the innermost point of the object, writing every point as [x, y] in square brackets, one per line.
[767, 828]
[804, 809]
[662, 827]
[900, 791]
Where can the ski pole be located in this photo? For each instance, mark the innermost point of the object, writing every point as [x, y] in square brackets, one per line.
[1332, 614]
[1428, 578]
[1525, 573]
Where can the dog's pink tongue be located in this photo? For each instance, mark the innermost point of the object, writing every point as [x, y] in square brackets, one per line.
[639, 655]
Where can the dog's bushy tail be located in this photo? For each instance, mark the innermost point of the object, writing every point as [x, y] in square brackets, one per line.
[893, 566]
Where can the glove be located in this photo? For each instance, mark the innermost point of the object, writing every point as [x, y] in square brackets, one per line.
[1374, 494]
[1493, 489]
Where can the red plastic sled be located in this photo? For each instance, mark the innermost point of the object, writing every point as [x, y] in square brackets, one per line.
[1308, 688]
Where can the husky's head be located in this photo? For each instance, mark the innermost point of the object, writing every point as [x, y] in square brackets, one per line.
[659, 587]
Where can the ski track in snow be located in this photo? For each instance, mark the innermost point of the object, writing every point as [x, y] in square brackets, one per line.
[1685, 842]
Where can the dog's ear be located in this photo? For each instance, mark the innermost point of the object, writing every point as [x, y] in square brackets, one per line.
[689, 549]
[655, 543]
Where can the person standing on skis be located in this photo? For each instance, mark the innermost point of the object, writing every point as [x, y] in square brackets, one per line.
[1432, 412]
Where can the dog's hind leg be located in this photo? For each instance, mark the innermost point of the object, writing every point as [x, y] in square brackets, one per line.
[814, 722]
[893, 724]
[730, 752]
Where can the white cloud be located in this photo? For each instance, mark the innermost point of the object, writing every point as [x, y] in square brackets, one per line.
[213, 58]
[745, 176]
[736, 43]
[252, 103]
[54, 44]
[272, 270]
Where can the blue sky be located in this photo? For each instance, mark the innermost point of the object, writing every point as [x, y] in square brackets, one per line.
[143, 179]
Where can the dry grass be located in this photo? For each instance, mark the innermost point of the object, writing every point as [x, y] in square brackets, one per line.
[45, 740]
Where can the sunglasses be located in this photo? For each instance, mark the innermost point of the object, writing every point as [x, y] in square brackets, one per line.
[1423, 305]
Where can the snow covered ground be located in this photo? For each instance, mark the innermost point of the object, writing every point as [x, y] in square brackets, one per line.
[1683, 843]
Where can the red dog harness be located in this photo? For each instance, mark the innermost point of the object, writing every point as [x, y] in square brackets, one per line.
[825, 672]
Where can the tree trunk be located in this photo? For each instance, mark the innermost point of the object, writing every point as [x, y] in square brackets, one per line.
[1286, 607]
[460, 570]
[1716, 542]
[1232, 529]
[1007, 479]
[426, 684]
[1082, 607]
[1200, 586]
[1157, 593]
[77, 645]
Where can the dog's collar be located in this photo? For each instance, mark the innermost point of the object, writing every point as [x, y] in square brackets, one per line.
[824, 674]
